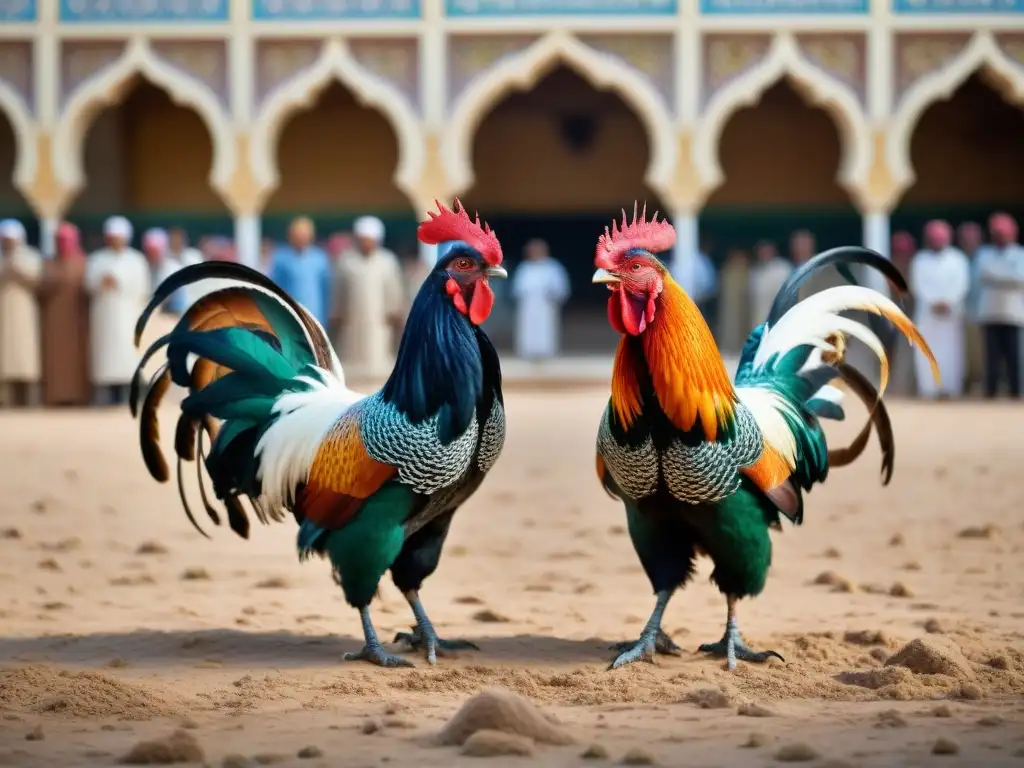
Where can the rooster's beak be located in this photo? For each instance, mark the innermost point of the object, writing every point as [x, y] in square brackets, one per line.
[496, 272]
[604, 276]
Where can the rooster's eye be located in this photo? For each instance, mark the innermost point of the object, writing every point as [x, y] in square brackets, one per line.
[464, 264]
[636, 266]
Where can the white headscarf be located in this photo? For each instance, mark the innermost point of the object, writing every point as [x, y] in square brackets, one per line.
[118, 226]
[12, 229]
[369, 227]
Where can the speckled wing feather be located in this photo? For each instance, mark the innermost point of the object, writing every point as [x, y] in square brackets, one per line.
[704, 472]
[423, 462]
[492, 438]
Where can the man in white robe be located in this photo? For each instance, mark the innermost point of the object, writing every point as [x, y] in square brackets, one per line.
[767, 275]
[21, 270]
[368, 303]
[540, 287]
[940, 280]
[118, 282]
[185, 255]
[156, 249]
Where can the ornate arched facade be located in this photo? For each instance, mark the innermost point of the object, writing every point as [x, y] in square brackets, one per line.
[435, 68]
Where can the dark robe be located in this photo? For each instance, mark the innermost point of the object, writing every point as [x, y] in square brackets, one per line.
[65, 321]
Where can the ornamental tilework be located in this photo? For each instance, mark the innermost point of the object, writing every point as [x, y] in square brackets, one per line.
[203, 60]
[395, 60]
[651, 55]
[726, 57]
[469, 56]
[559, 7]
[840, 55]
[133, 11]
[319, 10]
[278, 61]
[917, 54]
[81, 59]
[16, 68]
[17, 10]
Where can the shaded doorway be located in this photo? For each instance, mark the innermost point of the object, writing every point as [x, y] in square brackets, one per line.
[149, 159]
[558, 162]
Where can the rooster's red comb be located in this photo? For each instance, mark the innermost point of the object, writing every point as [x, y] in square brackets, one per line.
[455, 224]
[652, 236]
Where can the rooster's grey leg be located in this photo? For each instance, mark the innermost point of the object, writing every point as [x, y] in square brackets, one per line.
[424, 634]
[373, 651]
[732, 647]
[646, 647]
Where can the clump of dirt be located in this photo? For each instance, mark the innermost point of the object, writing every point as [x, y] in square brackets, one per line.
[932, 655]
[488, 743]
[504, 711]
[179, 747]
[45, 689]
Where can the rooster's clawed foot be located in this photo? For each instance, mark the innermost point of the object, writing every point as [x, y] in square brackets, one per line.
[662, 644]
[417, 639]
[375, 654]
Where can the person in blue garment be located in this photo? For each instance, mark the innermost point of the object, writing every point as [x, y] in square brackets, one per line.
[302, 269]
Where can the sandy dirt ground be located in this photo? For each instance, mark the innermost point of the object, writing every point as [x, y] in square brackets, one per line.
[120, 624]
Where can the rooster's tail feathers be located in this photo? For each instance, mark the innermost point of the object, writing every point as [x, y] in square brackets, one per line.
[236, 351]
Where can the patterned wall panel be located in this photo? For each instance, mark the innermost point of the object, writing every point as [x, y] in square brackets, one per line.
[917, 54]
[559, 7]
[395, 59]
[204, 60]
[958, 6]
[468, 56]
[651, 55]
[318, 10]
[81, 59]
[134, 11]
[843, 56]
[277, 61]
[785, 7]
[17, 10]
[726, 57]
[16, 69]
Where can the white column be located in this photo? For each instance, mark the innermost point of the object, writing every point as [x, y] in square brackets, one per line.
[48, 236]
[247, 238]
[687, 246]
[428, 254]
[876, 237]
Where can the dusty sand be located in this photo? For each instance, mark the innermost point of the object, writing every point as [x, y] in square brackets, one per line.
[121, 624]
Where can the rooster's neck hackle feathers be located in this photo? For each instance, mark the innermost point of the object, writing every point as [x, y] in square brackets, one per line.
[438, 366]
[685, 367]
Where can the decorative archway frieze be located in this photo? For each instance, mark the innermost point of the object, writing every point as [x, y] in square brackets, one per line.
[982, 53]
[821, 89]
[336, 63]
[524, 69]
[110, 84]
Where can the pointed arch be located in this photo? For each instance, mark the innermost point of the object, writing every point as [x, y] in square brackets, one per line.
[26, 157]
[523, 70]
[336, 63]
[981, 53]
[108, 86]
[817, 87]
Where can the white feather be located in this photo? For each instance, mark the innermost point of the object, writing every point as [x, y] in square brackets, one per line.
[816, 318]
[829, 393]
[769, 409]
[287, 449]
